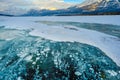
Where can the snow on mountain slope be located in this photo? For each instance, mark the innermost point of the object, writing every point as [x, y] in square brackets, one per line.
[89, 2]
[104, 2]
[100, 5]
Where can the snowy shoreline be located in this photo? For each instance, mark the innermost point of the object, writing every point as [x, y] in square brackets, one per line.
[102, 19]
[107, 43]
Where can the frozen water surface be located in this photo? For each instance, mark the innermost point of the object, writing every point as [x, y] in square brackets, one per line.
[33, 58]
[38, 49]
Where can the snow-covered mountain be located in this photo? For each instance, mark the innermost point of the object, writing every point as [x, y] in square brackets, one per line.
[88, 7]
[88, 2]
[100, 5]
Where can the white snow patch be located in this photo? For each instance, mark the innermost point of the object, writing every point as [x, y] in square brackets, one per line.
[28, 58]
[119, 72]
[113, 73]
[34, 63]
[37, 58]
[19, 78]
[77, 73]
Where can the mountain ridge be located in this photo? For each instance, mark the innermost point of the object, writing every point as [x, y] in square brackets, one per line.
[88, 7]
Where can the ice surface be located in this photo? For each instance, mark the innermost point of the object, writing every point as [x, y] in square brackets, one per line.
[107, 43]
[112, 19]
[27, 57]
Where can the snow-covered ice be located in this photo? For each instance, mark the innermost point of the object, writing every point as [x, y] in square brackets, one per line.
[107, 43]
[115, 19]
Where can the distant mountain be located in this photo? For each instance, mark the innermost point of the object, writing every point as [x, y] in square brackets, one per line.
[69, 11]
[100, 6]
[88, 7]
[6, 15]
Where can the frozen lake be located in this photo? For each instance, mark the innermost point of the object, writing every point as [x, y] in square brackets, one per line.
[42, 41]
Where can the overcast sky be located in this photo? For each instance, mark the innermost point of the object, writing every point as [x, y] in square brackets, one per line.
[16, 6]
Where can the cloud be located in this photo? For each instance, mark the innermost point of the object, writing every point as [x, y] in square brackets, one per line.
[16, 5]
[9, 4]
[59, 4]
[3, 6]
